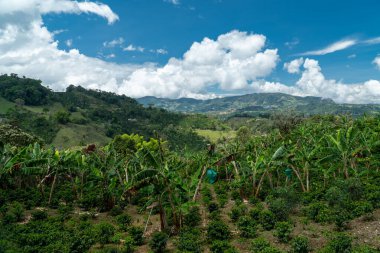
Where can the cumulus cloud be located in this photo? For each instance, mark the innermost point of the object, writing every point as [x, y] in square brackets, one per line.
[337, 46]
[313, 83]
[376, 61]
[57, 6]
[294, 66]
[233, 62]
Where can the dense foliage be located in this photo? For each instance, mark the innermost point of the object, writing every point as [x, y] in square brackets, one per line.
[322, 170]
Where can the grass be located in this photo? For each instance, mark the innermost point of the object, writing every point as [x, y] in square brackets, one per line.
[52, 109]
[5, 105]
[72, 135]
[215, 135]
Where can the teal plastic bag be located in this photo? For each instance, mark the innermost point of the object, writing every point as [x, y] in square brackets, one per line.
[288, 172]
[211, 175]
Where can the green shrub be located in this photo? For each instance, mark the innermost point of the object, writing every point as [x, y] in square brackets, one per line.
[318, 212]
[283, 230]
[115, 211]
[218, 230]
[104, 233]
[341, 243]
[267, 220]
[341, 218]
[65, 211]
[364, 249]
[158, 242]
[190, 240]
[280, 208]
[300, 244]
[222, 247]
[39, 215]
[12, 213]
[137, 234]
[362, 207]
[261, 245]
[212, 207]
[247, 227]
[254, 213]
[336, 197]
[237, 211]
[128, 245]
[124, 221]
[193, 217]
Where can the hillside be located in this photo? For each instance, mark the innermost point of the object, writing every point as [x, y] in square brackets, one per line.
[78, 116]
[257, 104]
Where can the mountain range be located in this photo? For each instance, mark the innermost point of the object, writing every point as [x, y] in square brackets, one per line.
[257, 104]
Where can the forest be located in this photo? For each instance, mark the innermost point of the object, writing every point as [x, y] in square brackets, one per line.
[307, 185]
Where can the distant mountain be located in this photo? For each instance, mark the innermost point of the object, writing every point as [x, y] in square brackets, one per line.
[257, 104]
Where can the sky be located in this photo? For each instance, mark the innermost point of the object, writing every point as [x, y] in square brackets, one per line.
[197, 48]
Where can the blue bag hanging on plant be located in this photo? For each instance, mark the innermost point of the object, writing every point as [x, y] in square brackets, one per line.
[211, 175]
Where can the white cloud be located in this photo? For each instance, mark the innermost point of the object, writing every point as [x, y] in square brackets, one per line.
[114, 43]
[175, 2]
[233, 62]
[132, 48]
[33, 7]
[351, 56]
[376, 61]
[337, 46]
[293, 43]
[373, 41]
[69, 43]
[161, 51]
[313, 83]
[294, 66]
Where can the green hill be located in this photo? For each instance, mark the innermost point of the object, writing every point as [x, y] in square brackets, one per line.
[79, 116]
[259, 104]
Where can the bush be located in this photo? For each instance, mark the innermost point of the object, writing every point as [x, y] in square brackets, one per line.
[222, 247]
[189, 240]
[128, 245]
[115, 211]
[341, 218]
[364, 249]
[124, 221]
[247, 227]
[254, 213]
[362, 207]
[261, 245]
[267, 220]
[212, 207]
[218, 230]
[318, 212]
[336, 197]
[137, 234]
[13, 213]
[280, 208]
[104, 233]
[39, 215]
[283, 230]
[341, 243]
[193, 217]
[300, 244]
[237, 211]
[158, 242]
[65, 211]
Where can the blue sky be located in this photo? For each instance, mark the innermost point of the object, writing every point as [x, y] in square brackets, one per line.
[304, 25]
[148, 33]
